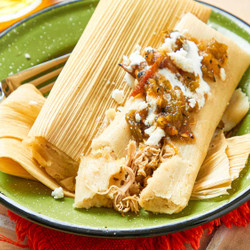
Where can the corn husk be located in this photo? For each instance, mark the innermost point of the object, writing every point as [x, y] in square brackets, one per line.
[17, 115]
[236, 110]
[165, 198]
[238, 151]
[19, 111]
[82, 93]
[214, 172]
[223, 164]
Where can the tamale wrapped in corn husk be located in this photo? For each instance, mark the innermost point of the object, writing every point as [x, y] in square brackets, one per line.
[69, 119]
[170, 188]
[17, 115]
[236, 110]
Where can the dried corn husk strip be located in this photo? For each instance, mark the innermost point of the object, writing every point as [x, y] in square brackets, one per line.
[10, 162]
[19, 111]
[14, 124]
[215, 169]
[159, 197]
[81, 93]
[238, 151]
[236, 110]
[209, 193]
[17, 114]
[222, 165]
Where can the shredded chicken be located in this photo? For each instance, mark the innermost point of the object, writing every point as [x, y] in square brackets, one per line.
[168, 149]
[141, 162]
[146, 160]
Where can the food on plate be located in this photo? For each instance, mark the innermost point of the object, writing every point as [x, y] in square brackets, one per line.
[181, 91]
[166, 144]
[82, 93]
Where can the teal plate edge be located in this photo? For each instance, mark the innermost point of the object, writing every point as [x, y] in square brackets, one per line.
[123, 233]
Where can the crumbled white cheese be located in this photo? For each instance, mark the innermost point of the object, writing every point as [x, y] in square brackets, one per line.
[169, 43]
[120, 108]
[58, 193]
[142, 105]
[130, 80]
[152, 102]
[137, 117]
[148, 49]
[33, 102]
[118, 95]
[136, 59]
[192, 102]
[150, 130]
[137, 104]
[110, 115]
[198, 95]
[150, 118]
[155, 135]
[222, 74]
[125, 60]
[151, 111]
[188, 58]
[27, 56]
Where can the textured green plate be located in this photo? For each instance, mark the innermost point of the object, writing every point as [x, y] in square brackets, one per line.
[54, 32]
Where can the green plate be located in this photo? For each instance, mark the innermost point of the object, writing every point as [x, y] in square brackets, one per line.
[53, 32]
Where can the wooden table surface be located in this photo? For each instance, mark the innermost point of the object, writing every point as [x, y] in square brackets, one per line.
[233, 239]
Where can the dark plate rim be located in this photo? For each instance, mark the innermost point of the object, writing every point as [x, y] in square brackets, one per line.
[121, 233]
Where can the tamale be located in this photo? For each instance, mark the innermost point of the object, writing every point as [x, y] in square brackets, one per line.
[236, 110]
[159, 195]
[68, 121]
[171, 185]
[17, 114]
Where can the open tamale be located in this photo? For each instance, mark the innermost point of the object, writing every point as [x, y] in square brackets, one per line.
[69, 119]
[172, 114]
